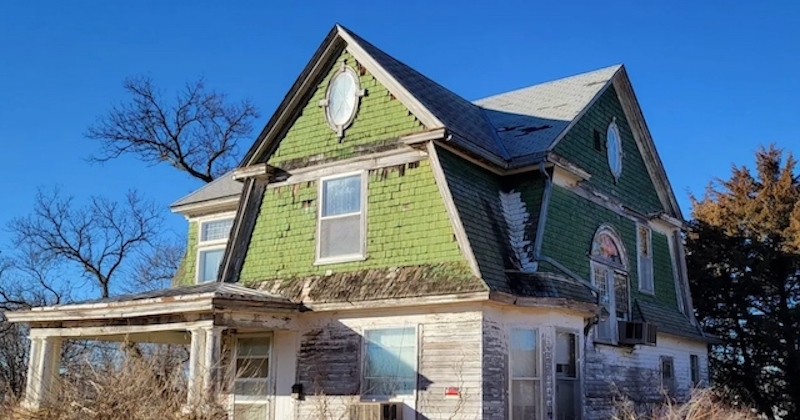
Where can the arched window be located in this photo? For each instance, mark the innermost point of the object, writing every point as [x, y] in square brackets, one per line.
[610, 275]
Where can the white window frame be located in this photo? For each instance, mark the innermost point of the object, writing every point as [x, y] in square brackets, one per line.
[648, 287]
[364, 342]
[362, 254]
[237, 399]
[204, 246]
[538, 331]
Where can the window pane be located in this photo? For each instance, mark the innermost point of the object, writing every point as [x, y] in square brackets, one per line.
[254, 347]
[341, 196]
[621, 295]
[525, 400]
[252, 368]
[524, 349]
[249, 412]
[209, 264]
[605, 329]
[340, 236]
[566, 366]
[390, 365]
[216, 229]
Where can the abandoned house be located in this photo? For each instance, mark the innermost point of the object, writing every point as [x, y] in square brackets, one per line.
[389, 250]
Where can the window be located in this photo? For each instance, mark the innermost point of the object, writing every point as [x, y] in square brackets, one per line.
[211, 247]
[667, 375]
[568, 396]
[251, 380]
[390, 362]
[341, 219]
[614, 149]
[644, 245]
[526, 389]
[694, 367]
[611, 278]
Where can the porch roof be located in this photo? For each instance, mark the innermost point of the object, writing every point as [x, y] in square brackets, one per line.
[200, 298]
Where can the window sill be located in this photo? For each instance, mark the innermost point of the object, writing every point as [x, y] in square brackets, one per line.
[341, 259]
[647, 292]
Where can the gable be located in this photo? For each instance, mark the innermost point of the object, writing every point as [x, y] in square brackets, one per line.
[378, 123]
[635, 187]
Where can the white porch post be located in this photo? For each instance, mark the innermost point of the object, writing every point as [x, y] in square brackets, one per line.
[44, 362]
[211, 361]
[196, 375]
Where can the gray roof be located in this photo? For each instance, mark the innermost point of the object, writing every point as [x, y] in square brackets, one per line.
[217, 290]
[223, 187]
[531, 119]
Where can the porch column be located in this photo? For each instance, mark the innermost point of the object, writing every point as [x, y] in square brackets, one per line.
[44, 362]
[211, 361]
[196, 358]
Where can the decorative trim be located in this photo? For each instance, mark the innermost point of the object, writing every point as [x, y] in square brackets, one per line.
[325, 103]
[452, 210]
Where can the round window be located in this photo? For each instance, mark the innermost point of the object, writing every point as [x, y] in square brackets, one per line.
[342, 99]
[614, 147]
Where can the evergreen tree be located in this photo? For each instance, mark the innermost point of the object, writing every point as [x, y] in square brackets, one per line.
[744, 267]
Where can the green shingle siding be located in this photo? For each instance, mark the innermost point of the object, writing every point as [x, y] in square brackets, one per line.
[380, 119]
[571, 224]
[185, 275]
[407, 224]
[634, 187]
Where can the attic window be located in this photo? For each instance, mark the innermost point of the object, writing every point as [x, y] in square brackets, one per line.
[341, 225]
[614, 149]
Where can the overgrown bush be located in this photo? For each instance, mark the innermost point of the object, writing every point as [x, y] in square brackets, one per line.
[705, 404]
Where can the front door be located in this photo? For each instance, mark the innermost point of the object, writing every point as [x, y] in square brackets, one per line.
[568, 397]
[253, 388]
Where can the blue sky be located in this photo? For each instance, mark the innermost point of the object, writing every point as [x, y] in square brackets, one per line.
[715, 78]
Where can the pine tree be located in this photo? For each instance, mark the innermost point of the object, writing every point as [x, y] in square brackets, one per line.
[744, 267]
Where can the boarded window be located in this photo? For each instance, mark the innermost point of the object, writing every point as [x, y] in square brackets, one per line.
[341, 221]
[526, 388]
[390, 365]
[644, 244]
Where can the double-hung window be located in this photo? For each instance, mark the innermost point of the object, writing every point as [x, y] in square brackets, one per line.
[211, 247]
[644, 242]
[390, 362]
[526, 385]
[667, 375]
[341, 227]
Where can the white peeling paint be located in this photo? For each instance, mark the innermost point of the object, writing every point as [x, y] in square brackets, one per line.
[517, 216]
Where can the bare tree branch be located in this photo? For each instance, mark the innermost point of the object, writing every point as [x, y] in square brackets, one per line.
[197, 133]
[98, 237]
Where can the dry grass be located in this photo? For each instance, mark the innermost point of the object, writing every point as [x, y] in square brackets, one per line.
[131, 390]
[705, 404]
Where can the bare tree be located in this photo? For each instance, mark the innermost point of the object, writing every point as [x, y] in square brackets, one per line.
[100, 238]
[198, 132]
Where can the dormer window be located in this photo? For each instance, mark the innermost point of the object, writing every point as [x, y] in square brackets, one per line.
[213, 237]
[610, 276]
[341, 226]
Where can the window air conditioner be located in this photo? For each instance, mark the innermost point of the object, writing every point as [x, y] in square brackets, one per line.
[376, 411]
[633, 333]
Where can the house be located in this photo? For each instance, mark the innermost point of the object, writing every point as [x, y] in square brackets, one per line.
[388, 249]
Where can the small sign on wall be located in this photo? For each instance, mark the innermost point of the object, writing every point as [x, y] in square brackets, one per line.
[452, 392]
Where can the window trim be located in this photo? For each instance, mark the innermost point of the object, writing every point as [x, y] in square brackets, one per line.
[363, 367]
[362, 255]
[538, 331]
[213, 245]
[269, 380]
[639, 258]
[694, 370]
[669, 388]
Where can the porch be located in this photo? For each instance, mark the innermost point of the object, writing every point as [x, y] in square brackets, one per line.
[199, 316]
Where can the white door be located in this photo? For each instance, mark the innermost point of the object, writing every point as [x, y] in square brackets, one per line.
[253, 388]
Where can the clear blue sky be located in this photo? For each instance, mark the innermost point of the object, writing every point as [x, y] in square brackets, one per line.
[715, 78]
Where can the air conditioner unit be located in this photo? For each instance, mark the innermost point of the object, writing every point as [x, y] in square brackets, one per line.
[376, 411]
[632, 333]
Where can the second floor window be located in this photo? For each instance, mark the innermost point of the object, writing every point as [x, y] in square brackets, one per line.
[610, 276]
[341, 219]
[211, 247]
[644, 244]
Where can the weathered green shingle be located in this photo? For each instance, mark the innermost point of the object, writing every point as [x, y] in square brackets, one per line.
[634, 187]
[380, 120]
[185, 275]
[407, 225]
